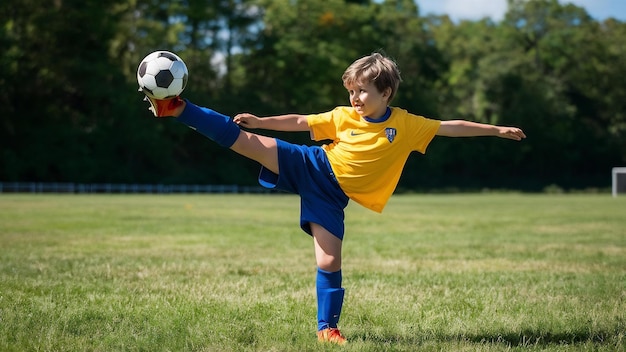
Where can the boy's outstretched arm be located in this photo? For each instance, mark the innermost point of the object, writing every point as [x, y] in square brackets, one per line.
[289, 122]
[462, 128]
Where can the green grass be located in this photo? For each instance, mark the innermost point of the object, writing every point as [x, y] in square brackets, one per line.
[498, 272]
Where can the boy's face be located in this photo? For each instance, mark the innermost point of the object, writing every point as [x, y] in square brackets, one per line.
[367, 100]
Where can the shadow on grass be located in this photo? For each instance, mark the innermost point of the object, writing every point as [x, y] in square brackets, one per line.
[537, 338]
[525, 338]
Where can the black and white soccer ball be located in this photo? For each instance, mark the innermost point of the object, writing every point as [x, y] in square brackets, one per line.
[162, 75]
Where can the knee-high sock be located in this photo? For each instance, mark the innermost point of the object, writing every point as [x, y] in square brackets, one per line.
[220, 128]
[329, 298]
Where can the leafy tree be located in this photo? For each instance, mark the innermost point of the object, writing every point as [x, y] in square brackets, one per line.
[71, 111]
[564, 58]
[60, 88]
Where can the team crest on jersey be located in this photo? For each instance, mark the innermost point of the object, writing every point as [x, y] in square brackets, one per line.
[391, 134]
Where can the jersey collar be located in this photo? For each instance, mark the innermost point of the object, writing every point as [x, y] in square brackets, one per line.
[382, 119]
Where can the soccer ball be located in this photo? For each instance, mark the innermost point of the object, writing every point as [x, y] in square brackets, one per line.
[162, 75]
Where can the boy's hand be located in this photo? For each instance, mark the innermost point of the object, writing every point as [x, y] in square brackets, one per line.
[172, 107]
[513, 133]
[247, 120]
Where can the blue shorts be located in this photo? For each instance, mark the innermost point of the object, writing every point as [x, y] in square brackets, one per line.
[305, 170]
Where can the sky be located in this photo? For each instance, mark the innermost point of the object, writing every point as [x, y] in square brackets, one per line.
[477, 9]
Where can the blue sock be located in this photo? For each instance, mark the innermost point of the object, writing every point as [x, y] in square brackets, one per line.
[329, 298]
[220, 128]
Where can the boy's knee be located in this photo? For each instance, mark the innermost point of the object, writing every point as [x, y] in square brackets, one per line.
[329, 263]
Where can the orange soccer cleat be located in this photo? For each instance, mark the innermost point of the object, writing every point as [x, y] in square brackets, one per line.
[331, 335]
[165, 107]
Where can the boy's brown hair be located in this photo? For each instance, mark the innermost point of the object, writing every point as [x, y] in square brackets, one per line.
[375, 68]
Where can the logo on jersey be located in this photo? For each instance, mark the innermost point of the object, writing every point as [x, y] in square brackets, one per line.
[391, 134]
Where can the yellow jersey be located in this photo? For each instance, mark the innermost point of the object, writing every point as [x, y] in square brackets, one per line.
[367, 156]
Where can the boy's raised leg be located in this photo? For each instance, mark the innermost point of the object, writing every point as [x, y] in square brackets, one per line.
[219, 128]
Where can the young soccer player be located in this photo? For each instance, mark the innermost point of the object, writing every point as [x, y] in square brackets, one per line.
[369, 145]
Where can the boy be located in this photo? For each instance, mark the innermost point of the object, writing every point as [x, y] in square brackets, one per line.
[371, 142]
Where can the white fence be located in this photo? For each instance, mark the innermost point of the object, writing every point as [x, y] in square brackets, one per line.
[39, 187]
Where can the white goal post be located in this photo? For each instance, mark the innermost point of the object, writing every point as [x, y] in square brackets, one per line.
[618, 184]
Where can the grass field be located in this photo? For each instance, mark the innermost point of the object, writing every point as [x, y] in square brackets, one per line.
[497, 272]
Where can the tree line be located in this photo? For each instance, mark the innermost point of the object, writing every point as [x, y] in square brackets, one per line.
[71, 112]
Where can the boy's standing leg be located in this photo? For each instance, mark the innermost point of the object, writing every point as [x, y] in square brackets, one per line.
[328, 284]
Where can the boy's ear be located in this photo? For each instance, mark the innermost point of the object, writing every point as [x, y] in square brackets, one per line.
[387, 92]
